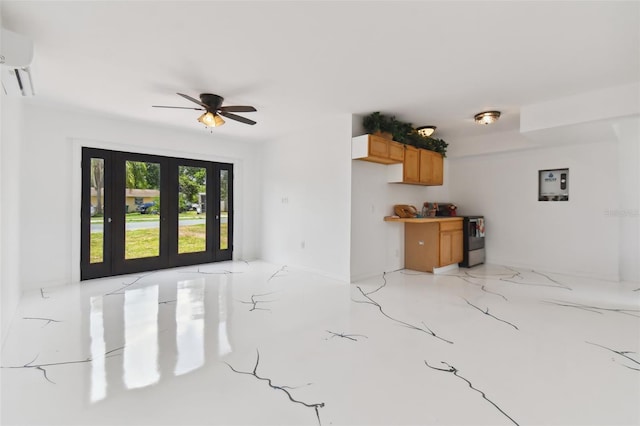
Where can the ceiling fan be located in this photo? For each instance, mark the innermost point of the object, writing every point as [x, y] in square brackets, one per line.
[212, 106]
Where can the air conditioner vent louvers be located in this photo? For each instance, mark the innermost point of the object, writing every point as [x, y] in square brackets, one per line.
[17, 81]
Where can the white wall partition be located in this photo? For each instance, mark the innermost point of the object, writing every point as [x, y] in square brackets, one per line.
[306, 199]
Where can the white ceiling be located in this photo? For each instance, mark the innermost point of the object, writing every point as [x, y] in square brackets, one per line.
[427, 62]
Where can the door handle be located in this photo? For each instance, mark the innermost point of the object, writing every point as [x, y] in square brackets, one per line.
[108, 220]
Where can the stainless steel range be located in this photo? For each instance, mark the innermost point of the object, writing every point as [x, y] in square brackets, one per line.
[473, 244]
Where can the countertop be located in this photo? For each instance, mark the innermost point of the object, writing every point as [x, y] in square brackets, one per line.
[422, 219]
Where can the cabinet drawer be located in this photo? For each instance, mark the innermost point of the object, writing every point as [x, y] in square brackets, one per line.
[451, 226]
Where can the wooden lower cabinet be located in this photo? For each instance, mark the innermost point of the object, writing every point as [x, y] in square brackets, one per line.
[421, 246]
[451, 247]
[430, 245]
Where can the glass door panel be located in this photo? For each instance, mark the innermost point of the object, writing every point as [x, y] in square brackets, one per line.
[192, 213]
[224, 209]
[142, 210]
[95, 226]
[96, 209]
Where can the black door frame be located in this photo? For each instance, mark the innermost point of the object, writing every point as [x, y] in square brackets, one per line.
[114, 262]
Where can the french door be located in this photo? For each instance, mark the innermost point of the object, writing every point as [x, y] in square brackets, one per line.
[144, 212]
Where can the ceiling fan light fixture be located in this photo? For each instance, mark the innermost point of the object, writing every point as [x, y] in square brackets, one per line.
[426, 131]
[218, 120]
[487, 117]
[210, 119]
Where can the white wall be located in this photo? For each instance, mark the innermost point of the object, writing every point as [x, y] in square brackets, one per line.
[10, 211]
[306, 196]
[49, 183]
[627, 212]
[570, 237]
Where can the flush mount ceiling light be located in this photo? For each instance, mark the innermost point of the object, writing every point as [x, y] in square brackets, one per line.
[210, 119]
[487, 117]
[426, 130]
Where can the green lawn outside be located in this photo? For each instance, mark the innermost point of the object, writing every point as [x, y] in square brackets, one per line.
[137, 217]
[145, 242]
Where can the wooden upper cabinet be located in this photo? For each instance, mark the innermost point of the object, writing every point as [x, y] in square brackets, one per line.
[411, 169]
[410, 164]
[396, 151]
[376, 149]
[431, 168]
[422, 167]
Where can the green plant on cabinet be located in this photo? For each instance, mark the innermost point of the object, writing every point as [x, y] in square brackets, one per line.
[402, 132]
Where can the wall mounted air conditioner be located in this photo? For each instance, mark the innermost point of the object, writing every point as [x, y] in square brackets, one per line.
[16, 55]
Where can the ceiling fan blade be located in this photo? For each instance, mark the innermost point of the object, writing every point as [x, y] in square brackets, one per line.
[238, 108]
[193, 100]
[237, 118]
[164, 106]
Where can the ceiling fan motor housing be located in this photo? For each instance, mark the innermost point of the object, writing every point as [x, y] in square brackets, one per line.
[213, 101]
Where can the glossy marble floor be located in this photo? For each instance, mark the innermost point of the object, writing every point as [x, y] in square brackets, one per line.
[256, 343]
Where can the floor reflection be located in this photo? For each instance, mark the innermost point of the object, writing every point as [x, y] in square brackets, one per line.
[224, 345]
[141, 337]
[98, 349]
[190, 326]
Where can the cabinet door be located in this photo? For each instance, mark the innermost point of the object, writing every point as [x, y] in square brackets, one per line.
[446, 244]
[437, 169]
[457, 254]
[431, 167]
[425, 167]
[378, 147]
[411, 169]
[396, 151]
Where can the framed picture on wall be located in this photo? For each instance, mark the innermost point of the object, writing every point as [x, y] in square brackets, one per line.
[553, 185]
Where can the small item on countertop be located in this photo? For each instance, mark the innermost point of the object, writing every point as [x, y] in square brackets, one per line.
[405, 210]
[431, 209]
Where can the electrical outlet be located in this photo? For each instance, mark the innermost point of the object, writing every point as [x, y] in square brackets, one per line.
[302, 244]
